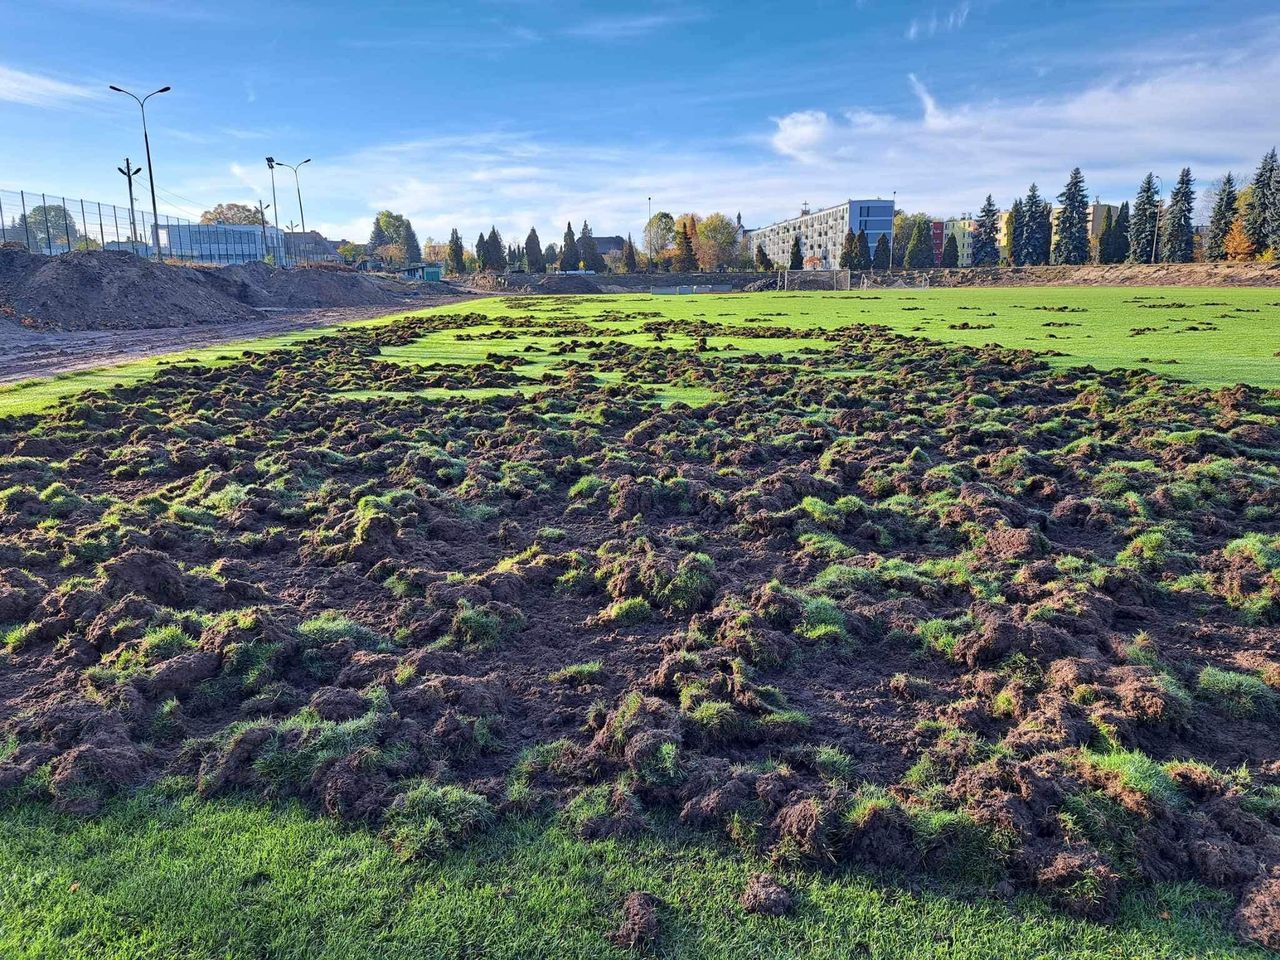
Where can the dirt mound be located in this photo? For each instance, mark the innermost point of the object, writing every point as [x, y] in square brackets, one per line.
[640, 922]
[1255, 274]
[113, 290]
[552, 283]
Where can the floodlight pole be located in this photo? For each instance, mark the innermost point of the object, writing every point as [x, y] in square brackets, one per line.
[298, 185]
[130, 171]
[275, 204]
[151, 172]
[262, 221]
[893, 220]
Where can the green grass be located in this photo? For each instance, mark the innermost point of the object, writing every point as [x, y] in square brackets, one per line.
[161, 878]
[1240, 349]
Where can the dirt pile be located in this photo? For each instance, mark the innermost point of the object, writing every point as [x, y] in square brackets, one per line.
[117, 290]
[550, 283]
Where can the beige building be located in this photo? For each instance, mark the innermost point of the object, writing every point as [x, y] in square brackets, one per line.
[1096, 216]
[962, 228]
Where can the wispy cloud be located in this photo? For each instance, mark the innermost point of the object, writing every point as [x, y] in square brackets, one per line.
[936, 22]
[33, 89]
[628, 27]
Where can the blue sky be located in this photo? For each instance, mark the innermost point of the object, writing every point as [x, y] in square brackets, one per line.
[521, 113]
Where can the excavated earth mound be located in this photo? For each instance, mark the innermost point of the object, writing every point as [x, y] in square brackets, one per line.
[962, 614]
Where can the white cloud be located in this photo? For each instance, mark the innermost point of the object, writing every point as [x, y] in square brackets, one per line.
[32, 89]
[628, 27]
[936, 23]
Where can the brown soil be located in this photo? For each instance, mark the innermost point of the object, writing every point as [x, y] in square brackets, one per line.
[765, 895]
[640, 922]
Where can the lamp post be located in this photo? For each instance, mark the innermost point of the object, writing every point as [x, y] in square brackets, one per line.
[1155, 234]
[130, 171]
[271, 165]
[647, 237]
[297, 185]
[893, 220]
[262, 220]
[151, 173]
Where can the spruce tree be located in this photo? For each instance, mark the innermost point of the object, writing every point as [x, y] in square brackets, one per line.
[1142, 226]
[1107, 238]
[1262, 202]
[1273, 212]
[881, 259]
[629, 255]
[412, 249]
[950, 252]
[920, 247]
[986, 248]
[455, 261]
[497, 252]
[862, 252]
[569, 258]
[1120, 235]
[484, 259]
[1178, 239]
[685, 261]
[847, 250]
[533, 252]
[1071, 246]
[588, 250]
[797, 254]
[1017, 224]
[1224, 214]
[1037, 226]
[377, 237]
[763, 262]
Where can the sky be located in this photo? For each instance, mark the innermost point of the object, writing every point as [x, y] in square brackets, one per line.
[517, 113]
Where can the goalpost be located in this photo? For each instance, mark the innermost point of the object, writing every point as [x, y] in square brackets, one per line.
[817, 279]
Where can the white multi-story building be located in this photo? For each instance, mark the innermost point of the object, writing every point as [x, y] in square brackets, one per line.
[962, 228]
[822, 232]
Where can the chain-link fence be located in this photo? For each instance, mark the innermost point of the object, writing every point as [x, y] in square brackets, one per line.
[53, 225]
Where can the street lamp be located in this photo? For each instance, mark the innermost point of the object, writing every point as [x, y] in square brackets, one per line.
[648, 237]
[278, 163]
[151, 173]
[271, 165]
[262, 220]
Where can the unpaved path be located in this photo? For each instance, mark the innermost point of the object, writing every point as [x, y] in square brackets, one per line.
[25, 354]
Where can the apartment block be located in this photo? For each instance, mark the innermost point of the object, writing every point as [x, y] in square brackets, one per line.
[822, 232]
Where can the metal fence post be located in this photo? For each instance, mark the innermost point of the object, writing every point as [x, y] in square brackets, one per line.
[66, 224]
[48, 233]
[26, 221]
[102, 231]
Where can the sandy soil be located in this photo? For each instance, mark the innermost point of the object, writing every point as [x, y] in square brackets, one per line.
[43, 353]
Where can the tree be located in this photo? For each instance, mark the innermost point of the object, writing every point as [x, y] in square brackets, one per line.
[797, 254]
[847, 250]
[569, 258]
[550, 254]
[1037, 229]
[1107, 237]
[48, 226]
[717, 240]
[237, 213]
[904, 228]
[455, 259]
[1263, 202]
[1071, 245]
[1238, 246]
[1273, 210]
[497, 252]
[1014, 233]
[377, 236]
[861, 251]
[951, 252]
[762, 259]
[1142, 227]
[629, 255]
[1120, 235]
[588, 250]
[484, 259]
[986, 243]
[685, 261]
[412, 250]
[1220, 221]
[881, 259]
[1178, 239]
[920, 248]
[659, 234]
[350, 252]
[533, 252]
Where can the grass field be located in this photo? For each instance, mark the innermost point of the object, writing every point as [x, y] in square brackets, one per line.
[157, 878]
[1211, 336]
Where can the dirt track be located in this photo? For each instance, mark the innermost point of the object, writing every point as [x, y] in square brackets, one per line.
[44, 353]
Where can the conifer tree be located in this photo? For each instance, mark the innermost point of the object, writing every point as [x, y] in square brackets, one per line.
[797, 254]
[1224, 214]
[1273, 211]
[862, 252]
[569, 257]
[533, 252]
[950, 252]
[684, 261]
[1120, 235]
[881, 259]
[588, 251]
[1071, 246]
[1107, 237]
[412, 249]
[1016, 227]
[455, 261]
[1178, 240]
[1037, 226]
[1263, 202]
[920, 247]
[629, 255]
[986, 249]
[497, 252]
[763, 262]
[484, 260]
[847, 250]
[1238, 245]
[377, 237]
[1142, 226]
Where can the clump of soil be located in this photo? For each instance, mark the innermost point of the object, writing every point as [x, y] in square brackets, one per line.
[765, 895]
[640, 922]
